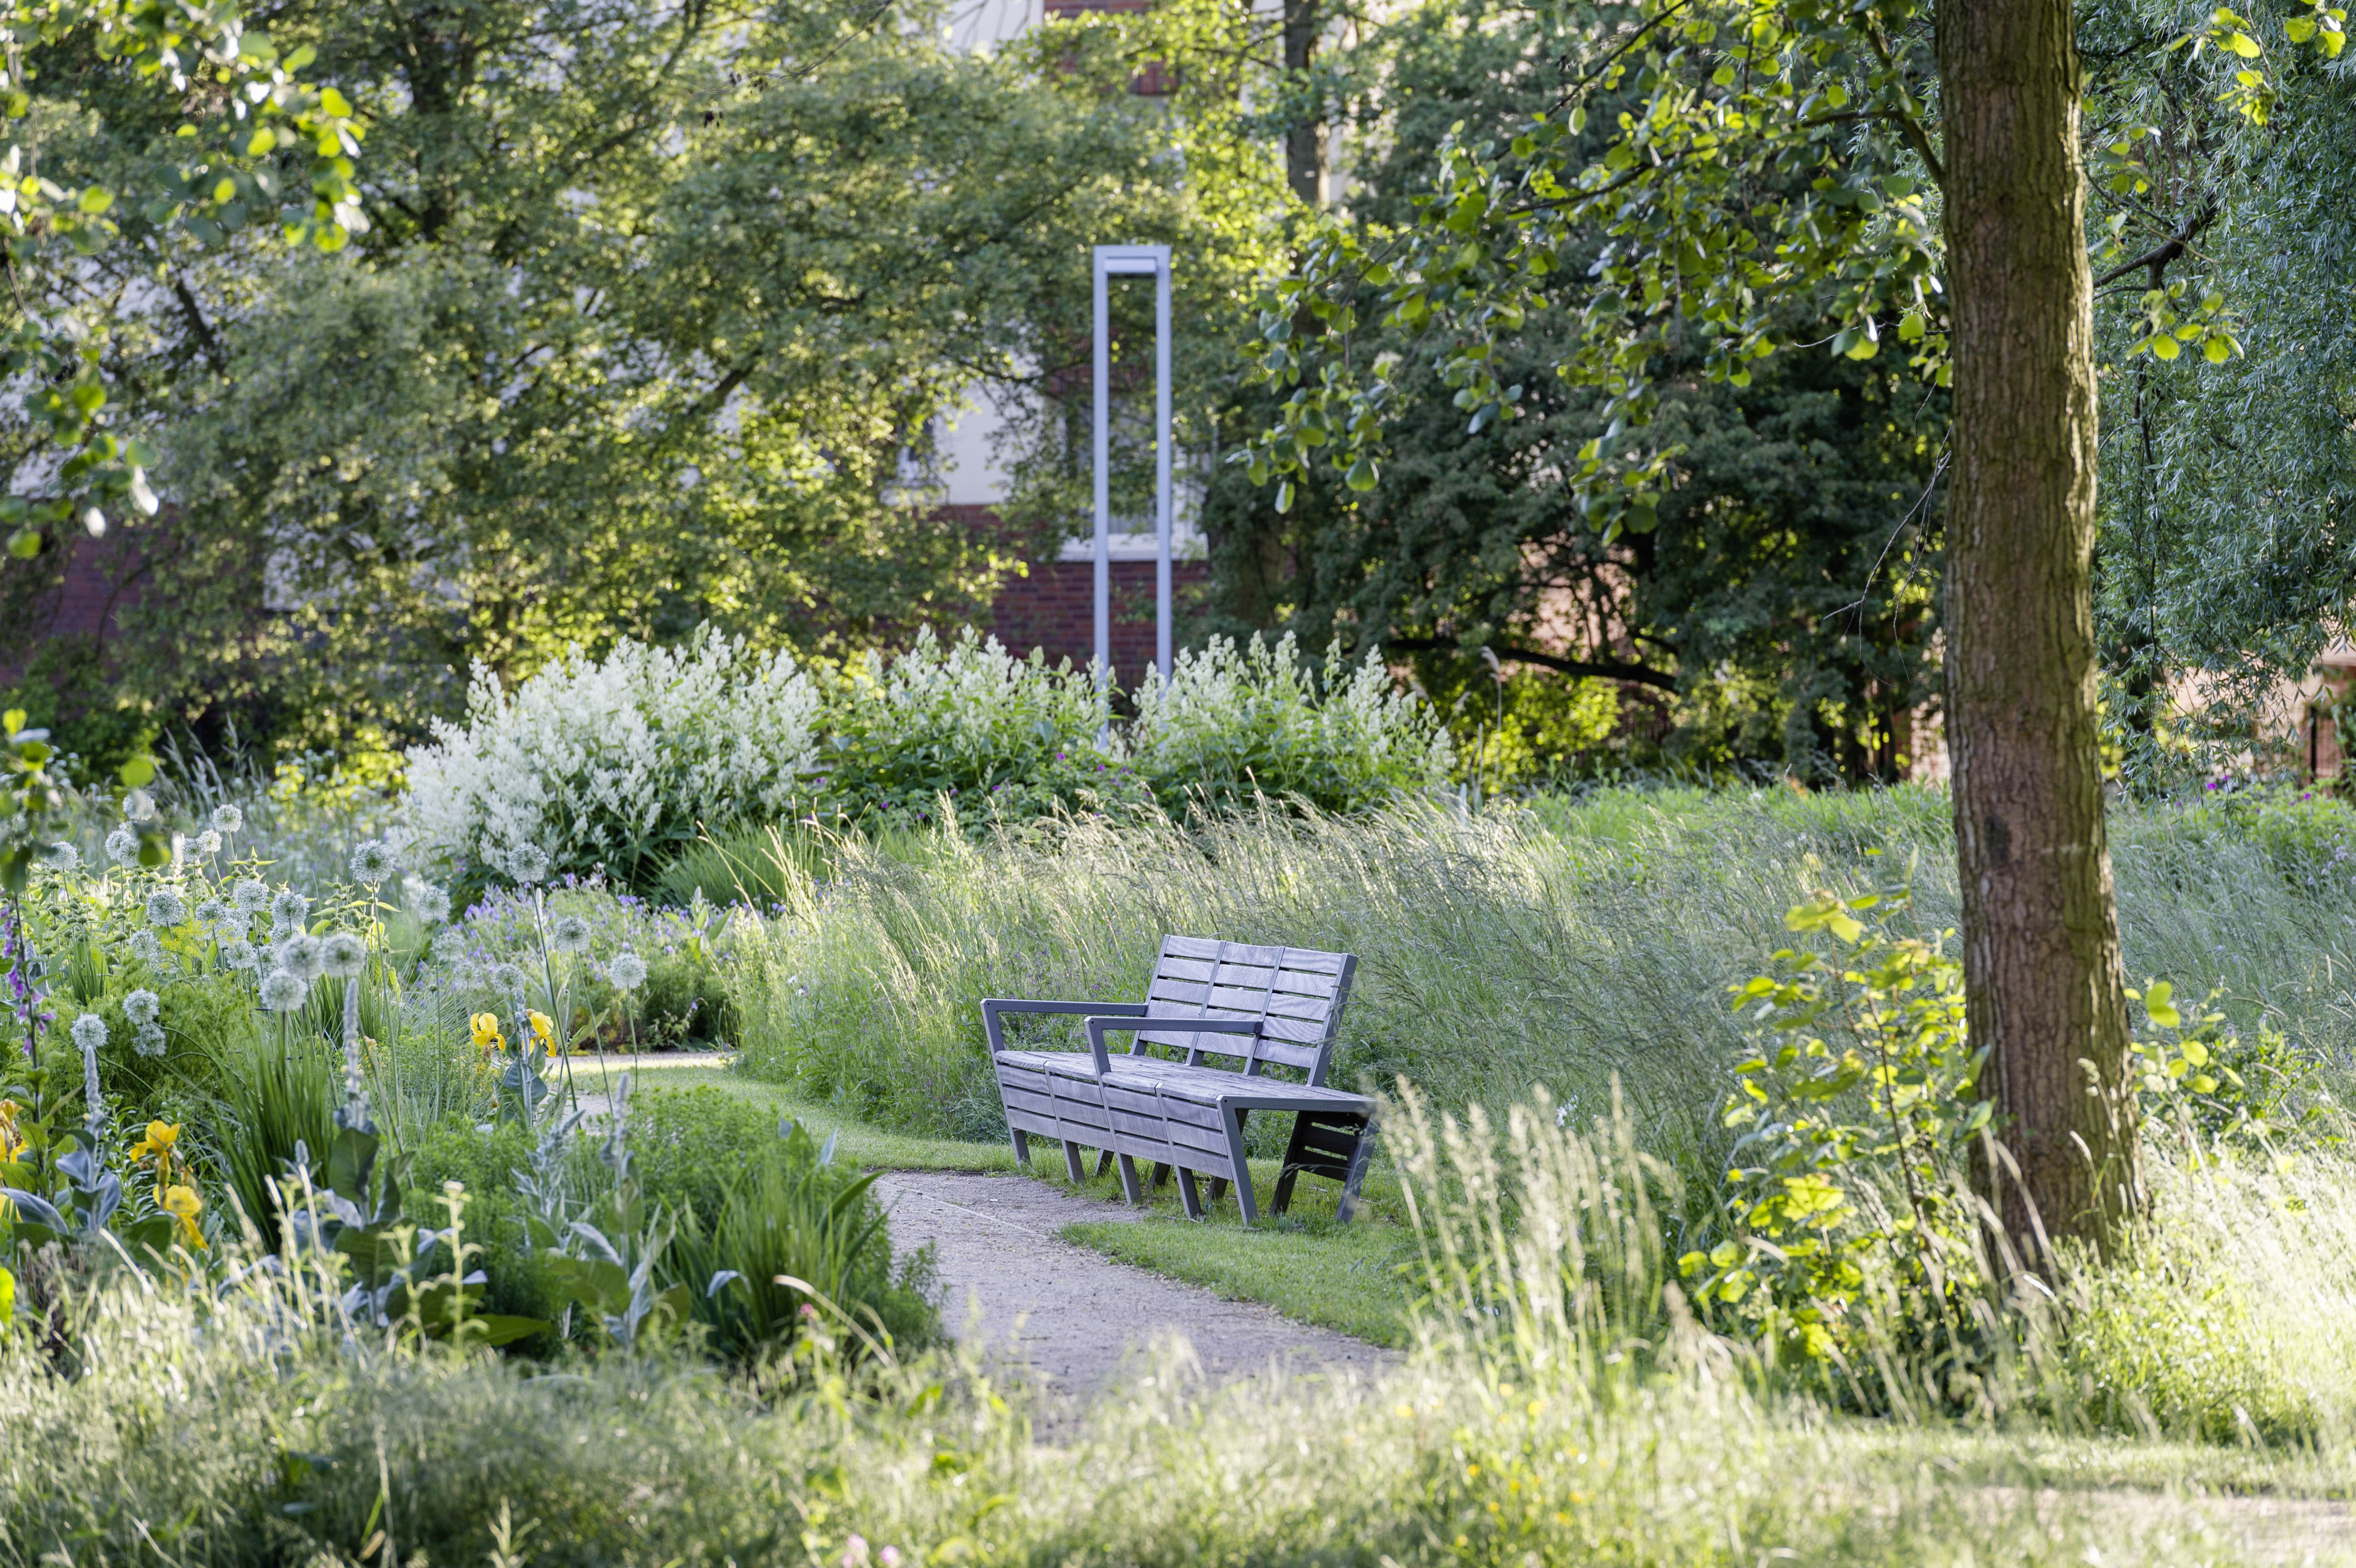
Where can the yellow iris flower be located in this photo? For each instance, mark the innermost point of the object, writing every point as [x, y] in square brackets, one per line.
[183, 1204]
[11, 1141]
[162, 1144]
[543, 1029]
[486, 1031]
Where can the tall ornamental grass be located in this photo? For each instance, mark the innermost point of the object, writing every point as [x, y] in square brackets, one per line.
[1563, 944]
[1558, 1408]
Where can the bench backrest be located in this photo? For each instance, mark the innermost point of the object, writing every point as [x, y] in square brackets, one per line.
[1297, 994]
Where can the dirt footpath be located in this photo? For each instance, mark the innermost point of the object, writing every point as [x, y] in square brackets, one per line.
[1068, 1316]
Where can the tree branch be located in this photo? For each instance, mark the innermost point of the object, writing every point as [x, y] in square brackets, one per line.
[1601, 669]
[2157, 258]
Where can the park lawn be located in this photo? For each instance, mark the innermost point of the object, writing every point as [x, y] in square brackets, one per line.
[1353, 1277]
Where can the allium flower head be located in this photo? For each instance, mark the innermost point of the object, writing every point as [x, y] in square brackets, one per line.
[149, 1041]
[374, 862]
[304, 957]
[89, 1032]
[282, 992]
[227, 818]
[450, 946]
[571, 934]
[251, 896]
[528, 863]
[123, 847]
[289, 910]
[508, 977]
[61, 856]
[208, 842]
[430, 903]
[344, 954]
[142, 1007]
[239, 954]
[213, 912]
[629, 971]
[146, 949]
[138, 806]
[166, 909]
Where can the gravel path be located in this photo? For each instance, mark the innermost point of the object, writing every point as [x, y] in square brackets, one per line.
[1068, 1316]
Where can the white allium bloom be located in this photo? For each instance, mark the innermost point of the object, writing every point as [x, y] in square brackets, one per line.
[373, 862]
[142, 1007]
[139, 806]
[146, 949]
[344, 954]
[289, 910]
[166, 909]
[569, 934]
[450, 946]
[281, 992]
[61, 856]
[528, 863]
[590, 755]
[213, 912]
[208, 842]
[305, 957]
[123, 847]
[149, 1041]
[629, 971]
[430, 903]
[227, 818]
[508, 977]
[239, 954]
[89, 1032]
[251, 896]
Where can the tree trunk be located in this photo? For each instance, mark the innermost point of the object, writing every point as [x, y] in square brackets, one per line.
[2040, 933]
[1304, 141]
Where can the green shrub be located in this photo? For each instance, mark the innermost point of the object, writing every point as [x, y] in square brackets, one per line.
[791, 1213]
[486, 1161]
[685, 1001]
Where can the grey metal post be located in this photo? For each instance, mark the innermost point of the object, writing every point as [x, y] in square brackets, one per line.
[1134, 259]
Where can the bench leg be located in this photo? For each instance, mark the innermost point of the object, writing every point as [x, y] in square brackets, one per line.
[1359, 1159]
[1219, 1183]
[1234, 1121]
[1160, 1175]
[1104, 1160]
[1132, 1191]
[1072, 1166]
[1189, 1194]
[1022, 1148]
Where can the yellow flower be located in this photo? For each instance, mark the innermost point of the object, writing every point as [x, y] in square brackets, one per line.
[543, 1029]
[183, 1204]
[12, 1141]
[159, 1141]
[486, 1031]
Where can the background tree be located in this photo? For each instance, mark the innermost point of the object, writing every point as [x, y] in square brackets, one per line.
[1782, 609]
[657, 321]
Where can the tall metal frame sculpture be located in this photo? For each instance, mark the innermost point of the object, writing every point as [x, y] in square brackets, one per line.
[1133, 260]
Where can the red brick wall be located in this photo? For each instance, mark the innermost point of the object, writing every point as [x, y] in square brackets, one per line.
[1054, 608]
[88, 603]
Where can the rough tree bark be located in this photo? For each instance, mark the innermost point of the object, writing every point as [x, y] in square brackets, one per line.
[2042, 979]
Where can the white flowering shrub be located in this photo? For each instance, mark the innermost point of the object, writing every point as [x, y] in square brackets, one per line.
[999, 736]
[614, 762]
[1235, 720]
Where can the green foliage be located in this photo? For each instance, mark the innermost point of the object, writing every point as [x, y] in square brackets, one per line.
[1782, 605]
[95, 728]
[797, 1240]
[656, 360]
[684, 1001]
[275, 1093]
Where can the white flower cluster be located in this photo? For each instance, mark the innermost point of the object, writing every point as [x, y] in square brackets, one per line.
[591, 757]
[1230, 709]
[971, 702]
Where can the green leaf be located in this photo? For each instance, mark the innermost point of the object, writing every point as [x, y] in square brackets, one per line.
[95, 199]
[334, 103]
[1362, 475]
[24, 543]
[138, 771]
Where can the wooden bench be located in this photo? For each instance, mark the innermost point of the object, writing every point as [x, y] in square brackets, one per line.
[1257, 1006]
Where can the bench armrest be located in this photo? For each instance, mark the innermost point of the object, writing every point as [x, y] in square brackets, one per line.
[1099, 1027]
[995, 1008]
